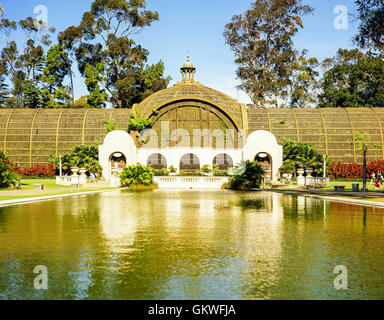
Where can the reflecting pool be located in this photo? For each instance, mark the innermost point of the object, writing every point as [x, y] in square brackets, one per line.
[191, 245]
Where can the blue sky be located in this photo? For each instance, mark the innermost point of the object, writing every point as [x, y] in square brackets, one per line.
[197, 27]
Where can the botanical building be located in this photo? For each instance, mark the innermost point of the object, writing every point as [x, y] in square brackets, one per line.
[187, 110]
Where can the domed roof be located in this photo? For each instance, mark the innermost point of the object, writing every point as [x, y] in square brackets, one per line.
[188, 64]
[192, 91]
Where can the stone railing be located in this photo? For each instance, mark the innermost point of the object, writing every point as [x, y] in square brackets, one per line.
[63, 180]
[177, 182]
[316, 182]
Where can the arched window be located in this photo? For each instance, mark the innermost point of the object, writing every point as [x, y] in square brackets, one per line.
[189, 162]
[157, 161]
[223, 161]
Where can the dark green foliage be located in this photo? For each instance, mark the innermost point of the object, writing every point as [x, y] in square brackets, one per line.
[371, 29]
[32, 95]
[301, 155]
[248, 175]
[160, 173]
[136, 175]
[104, 35]
[353, 79]
[97, 96]
[7, 176]
[82, 157]
[262, 41]
[57, 67]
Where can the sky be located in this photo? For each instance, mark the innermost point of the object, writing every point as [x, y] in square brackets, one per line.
[196, 27]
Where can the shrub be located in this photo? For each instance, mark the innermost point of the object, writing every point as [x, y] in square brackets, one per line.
[205, 169]
[196, 173]
[251, 176]
[82, 156]
[7, 175]
[172, 169]
[301, 155]
[137, 175]
[160, 173]
[220, 173]
[39, 170]
[341, 170]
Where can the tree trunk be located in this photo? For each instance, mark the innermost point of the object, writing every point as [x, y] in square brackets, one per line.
[72, 89]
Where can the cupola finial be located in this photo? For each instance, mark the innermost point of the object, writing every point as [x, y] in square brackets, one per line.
[188, 71]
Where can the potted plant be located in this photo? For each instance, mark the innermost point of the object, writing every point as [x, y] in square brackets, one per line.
[172, 171]
[75, 170]
[206, 170]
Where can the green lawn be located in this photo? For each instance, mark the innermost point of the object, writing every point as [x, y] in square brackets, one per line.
[28, 184]
[348, 185]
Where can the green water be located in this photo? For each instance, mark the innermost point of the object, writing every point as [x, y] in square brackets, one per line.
[191, 245]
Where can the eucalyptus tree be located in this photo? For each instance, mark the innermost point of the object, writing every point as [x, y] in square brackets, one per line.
[371, 29]
[105, 36]
[353, 79]
[261, 40]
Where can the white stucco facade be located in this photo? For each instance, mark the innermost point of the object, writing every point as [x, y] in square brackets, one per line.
[257, 142]
[262, 141]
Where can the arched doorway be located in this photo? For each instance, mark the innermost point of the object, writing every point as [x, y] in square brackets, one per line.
[223, 161]
[157, 161]
[189, 162]
[118, 161]
[265, 160]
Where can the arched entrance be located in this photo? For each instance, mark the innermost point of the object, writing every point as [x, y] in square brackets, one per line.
[118, 161]
[189, 162]
[223, 161]
[157, 161]
[265, 160]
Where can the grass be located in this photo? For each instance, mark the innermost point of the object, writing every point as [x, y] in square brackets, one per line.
[28, 183]
[348, 185]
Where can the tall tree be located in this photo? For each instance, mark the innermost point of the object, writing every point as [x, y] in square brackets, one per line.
[3, 85]
[304, 82]
[97, 96]
[57, 67]
[353, 79]
[371, 29]
[104, 35]
[261, 40]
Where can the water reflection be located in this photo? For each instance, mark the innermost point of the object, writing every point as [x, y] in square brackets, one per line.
[191, 245]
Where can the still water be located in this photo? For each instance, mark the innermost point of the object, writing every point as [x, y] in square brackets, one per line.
[191, 245]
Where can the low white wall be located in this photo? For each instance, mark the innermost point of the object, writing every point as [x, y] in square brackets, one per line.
[190, 182]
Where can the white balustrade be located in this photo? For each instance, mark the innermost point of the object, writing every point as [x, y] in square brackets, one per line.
[190, 182]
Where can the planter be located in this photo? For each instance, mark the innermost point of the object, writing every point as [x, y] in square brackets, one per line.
[308, 172]
[75, 170]
[300, 172]
[83, 171]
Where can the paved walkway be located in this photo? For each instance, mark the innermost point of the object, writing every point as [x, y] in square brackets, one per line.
[358, 197]
[336, 193]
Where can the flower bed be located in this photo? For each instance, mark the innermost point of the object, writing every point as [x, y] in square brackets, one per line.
[340, 170]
